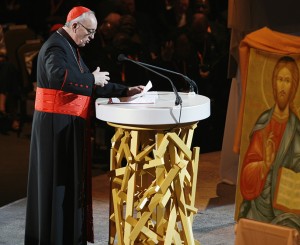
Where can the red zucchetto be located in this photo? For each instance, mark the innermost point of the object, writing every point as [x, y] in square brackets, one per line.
[76, 12]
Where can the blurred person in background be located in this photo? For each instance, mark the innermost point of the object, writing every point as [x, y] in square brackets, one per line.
[10, 90]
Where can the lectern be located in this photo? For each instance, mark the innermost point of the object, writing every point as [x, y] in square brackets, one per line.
[153, 170]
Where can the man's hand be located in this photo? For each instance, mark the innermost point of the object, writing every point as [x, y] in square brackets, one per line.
[101, 77]
[135, 90]
[270, 149]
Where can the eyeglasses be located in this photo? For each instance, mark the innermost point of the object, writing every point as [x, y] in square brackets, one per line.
[90, 31]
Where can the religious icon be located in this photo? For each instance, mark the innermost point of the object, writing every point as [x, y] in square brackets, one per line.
[269, 169]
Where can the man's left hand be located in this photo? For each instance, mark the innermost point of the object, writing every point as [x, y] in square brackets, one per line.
[135, 90]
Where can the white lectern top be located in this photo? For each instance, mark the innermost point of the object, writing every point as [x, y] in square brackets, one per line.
[164, 111]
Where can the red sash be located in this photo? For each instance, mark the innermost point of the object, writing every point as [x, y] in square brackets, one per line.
[57, 101]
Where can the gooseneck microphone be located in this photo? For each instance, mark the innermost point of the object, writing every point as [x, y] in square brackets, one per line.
[190, 81]
[178, 100]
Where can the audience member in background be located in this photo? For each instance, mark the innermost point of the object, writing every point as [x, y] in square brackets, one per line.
[202, 6]
[128, 41]
[173, 16]
[13, 11]
[217, 24]
[174, 55]
[100, 50]
[43, 14]
[193, 52]
[10, 90]
[144, 22]
[104, 7]
[207, 51]
[212, 80]
[59, 207]
[10, 86]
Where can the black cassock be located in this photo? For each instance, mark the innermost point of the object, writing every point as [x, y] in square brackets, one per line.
[58, 198]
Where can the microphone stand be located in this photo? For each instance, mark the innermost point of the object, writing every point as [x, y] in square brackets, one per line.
[178, 100]
[190, 81]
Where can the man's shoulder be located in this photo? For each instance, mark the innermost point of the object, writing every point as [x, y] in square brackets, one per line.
[262, 120]
[264, 116]
[53, 40]
[295, 120]
[54, 37]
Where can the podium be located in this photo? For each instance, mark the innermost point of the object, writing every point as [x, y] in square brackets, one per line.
[153, 170]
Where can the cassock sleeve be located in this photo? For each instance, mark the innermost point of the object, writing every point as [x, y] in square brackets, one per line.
[111, 90]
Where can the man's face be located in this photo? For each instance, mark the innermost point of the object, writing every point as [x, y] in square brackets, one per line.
[202, 6]
[129, 5]
[184, 4]
[110, 26]
[283, 87]
[85, 31]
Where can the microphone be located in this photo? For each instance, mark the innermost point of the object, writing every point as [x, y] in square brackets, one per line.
[178, 100]
[192, 83]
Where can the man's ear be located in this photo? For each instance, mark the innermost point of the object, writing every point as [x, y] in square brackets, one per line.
[75, 26]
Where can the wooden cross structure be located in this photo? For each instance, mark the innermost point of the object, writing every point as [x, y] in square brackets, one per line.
[153, 177]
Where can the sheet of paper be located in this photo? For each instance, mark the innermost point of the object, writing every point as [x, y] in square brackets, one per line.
[145, 97]
[146, 89]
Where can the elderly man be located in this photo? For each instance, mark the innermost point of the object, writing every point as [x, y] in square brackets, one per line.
[59, 185]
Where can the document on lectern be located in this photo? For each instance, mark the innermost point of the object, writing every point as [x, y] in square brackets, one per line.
[145, 97]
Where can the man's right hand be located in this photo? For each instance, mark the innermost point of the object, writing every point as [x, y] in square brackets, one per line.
[101, 77]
